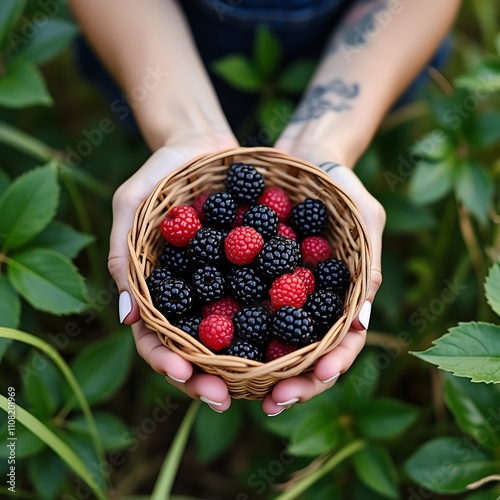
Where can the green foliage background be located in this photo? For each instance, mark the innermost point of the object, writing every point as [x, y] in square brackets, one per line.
[93, 419]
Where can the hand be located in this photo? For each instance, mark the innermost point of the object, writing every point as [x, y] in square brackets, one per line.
[178, 372]
[328, 368]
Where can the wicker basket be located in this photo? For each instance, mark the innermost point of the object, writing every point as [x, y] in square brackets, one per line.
[345, 231]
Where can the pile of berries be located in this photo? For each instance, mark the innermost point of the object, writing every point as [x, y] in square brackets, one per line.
[246, 273]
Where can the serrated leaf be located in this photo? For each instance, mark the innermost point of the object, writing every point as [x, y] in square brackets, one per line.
[384, 418]
[22, 85]
[473, 406]
[273, 115]
[48, 281]
[431, 181]
[468, 350]
[10, 305]
[485, 76]
[266, 52]
[101, 367]
[10, 12]
[492, 287]
[62, 238]
[375, 469]
[47, 473]
[296, 76]
[28, 205]
[403, 215]
[48, 41]
[448, 465]
[316, 434]
[238, 72]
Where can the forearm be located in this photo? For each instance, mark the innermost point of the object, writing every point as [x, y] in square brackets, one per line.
[148, 48]
[364, 71]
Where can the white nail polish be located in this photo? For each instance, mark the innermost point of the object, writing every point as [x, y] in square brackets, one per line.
[274, 414]
[216, 411]
[175, 379]
[331, 378]
[124, 305]
[209, 402]
[289, 402]
[364, 314]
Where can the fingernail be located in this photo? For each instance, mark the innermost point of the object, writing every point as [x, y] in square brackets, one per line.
[364, 314]
[289, 402]
[216, 411]
[175, 378]
[124, 305]
[209, 402]
[330, 379]
[274, 414]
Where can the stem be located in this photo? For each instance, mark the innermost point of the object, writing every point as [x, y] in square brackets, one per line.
[166, 478]
[21, 141]
[329, 465]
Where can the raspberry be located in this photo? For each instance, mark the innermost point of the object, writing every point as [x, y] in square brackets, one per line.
[325, 308]
[278, 256]
[226, 306]
[315, 249]
[276, 349]
[246, 285]
[242, 245]
[309, 217]
[276, 199]
[189, 324]
[216, 332]
[173, 297]
[263, 219]
[156, 277]
[198, 205]
[293, 326]
[220, 210]
[244, 182]
[287, 290]
[209, 283]
[240, 212]
[252, 324]
[307, 277]
[180, 225]
[175, 259]
[206, 246]
[332, 274]
[244, 349]
[286, 231]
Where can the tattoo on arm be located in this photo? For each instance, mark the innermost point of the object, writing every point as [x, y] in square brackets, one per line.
[334, 96]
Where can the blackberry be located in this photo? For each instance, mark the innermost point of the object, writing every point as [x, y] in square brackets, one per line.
[252, 324]
[173, 297]
[278, 256]
[244, 349]
[244, 183]
[220, 210]
[156, 277]
[175, 259]
[332, 274]
[263, 219]
[189, 324]
[207, 246]
[209, 283]
[309, 217]
[293, 326]
[246, 285]
[324, 307]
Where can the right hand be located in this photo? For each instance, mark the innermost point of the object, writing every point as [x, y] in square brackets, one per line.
[129, 195]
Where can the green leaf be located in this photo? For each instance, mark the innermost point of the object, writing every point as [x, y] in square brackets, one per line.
[273, 115]
[266, 52]
[384, 418]
[27, 444]
[436, 146]
[238, 72]
[4, 345]
[47, 474]
[431, 181]
[316, 434]
[492, 287]
[10, 305]
[296, 76]
[4, 182]
[215, 432]
[101, 367]
[474, 188]
[483, 495]
[10, 12]
[62, 238]
[448, 465]
[403, 215]
[485, 76]
[22, 85]
[375, 469]
[473, 406]
[28, 205]
[485, 130]
[48, 41]
[48, 281]
[468, 350]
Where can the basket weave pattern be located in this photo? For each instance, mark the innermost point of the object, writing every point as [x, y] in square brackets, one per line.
[346, 233]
